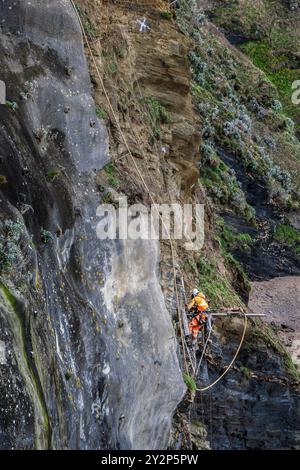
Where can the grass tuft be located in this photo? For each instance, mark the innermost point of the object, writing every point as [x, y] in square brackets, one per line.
[190, 382]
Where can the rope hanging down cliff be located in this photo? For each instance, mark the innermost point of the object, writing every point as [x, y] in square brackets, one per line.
[184, 345]
[139, 175]
[204, 389]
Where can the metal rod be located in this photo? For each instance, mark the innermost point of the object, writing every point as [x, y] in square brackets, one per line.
[215, 314]
[183, 289]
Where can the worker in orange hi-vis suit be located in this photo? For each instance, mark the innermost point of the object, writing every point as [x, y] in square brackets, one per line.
[200, 305]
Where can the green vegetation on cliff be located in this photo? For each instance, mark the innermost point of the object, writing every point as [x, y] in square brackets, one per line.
[269, 33]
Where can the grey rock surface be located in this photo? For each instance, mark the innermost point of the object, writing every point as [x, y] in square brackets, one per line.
[256, 405]
[87, 348]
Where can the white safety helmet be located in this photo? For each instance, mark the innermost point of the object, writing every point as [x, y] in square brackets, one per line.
[195, 292]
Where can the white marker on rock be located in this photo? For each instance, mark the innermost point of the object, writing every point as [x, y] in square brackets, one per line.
[143, 25]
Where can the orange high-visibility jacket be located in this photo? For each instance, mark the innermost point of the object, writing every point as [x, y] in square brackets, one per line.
[200, 301]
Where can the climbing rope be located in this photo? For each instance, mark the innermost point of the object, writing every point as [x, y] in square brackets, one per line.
[203, 351]
[139, 174]
[184, 348]
[231, 363]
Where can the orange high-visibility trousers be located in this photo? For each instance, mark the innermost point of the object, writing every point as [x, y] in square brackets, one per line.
[195, 327]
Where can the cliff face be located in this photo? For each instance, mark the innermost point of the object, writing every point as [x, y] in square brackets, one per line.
[90, 351]
[278, 299]
[256, 406]
[71, 375]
